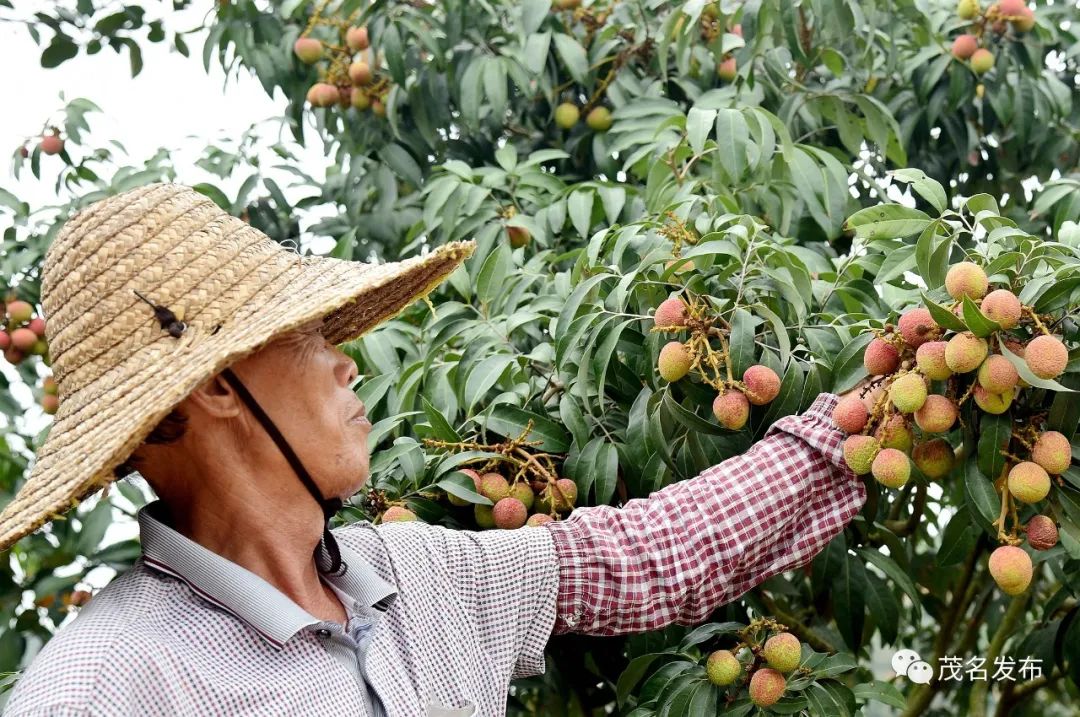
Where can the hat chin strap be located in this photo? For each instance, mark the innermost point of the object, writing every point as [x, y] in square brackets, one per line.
[329, 506]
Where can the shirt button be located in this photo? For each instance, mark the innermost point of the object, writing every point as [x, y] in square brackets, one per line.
[323, 632]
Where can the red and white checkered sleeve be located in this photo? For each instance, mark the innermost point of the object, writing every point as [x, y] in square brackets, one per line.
[697, 544]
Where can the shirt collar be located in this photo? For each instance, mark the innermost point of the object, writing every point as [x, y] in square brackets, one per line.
[251, 598]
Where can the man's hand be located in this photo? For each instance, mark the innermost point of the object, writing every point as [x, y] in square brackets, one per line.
[872, 394]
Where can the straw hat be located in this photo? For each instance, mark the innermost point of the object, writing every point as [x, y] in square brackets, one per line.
[121, 367]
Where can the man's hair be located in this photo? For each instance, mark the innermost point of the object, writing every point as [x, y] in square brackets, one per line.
[171, 429]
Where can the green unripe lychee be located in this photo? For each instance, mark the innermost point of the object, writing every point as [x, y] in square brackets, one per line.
[20, 312]
[981, 61]
[766, 687]
[965, 352]
[360, 100]
[1011, 569]
[992, 403]
[1042, 532]
[397, 514]
[783, 651]
[670, 312]
[934, 458]
[1002, 306]
[510, 513]
[1046, 356]
[1029, 482]
[850, 414]
[567, 115]
[937, 415]
[308, 50]
[917, 327]
[48, 385]
[50, 404]
[893, 432]
[461, 502]
[674, 361]
[891, 468]
[484, 516]
[908, 393]
[1025, 20]
[968, 9]
[859, 453]
[494, 487]
[731, 409]
[997, 374]
[966, 278]
[722, 668]
[1053, 452]
[599, 119]
[727, 70]
[762, 384]
[523, 492]
[930, 358]
[881, 357]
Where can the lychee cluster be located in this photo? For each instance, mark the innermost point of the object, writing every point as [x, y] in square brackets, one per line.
[762, 667]
[598, 119]
[995, 21]
[350, 77]
[731, 407]
[513, 501]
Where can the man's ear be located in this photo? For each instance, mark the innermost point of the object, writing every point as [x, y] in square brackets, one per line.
[216, 398]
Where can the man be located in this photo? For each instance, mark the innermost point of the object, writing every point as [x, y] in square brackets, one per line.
[189, 346]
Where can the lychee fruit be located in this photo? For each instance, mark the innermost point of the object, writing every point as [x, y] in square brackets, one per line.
[1046, 356]
[1042, 532]
[1024, 21]
[360, 100]
[968, 9]
[19, 312]
[599, 119]
[930, 358]
[997, 374]
[859, 453]
[1011, 8]
[23, 339]
[964, 46]
[881, 357]
[397, 514]
[561, 496]
[783, 651]
[937, 415]
[722, 668]
[461, 502]
[766, 687]
[378, 108]
[5, 340]
[891, 468]
[762, 384]
[966, 278]
[1011, 569]
[1002, 306]
[727, 70]
[357, 38]
[50, 403]
[965, 352]
[13, 355]
[519, 236]
[510, 513]
[494, 487]
[484, 515]
[993, 403]
[537, 519]
[52, 144]
[982, 60]
[308, 49]
[523, 492]
[670, 312]
[40, 347]
[360, 73]
[731, 409]
[322, 94]
[48, 385]
[567, 115]
[850, 414]
[917, 327]
[37, 325]
[934, 458]
[893, 432]
[1052, 451]
[674, 361]
[1028, 482]
[908, 393]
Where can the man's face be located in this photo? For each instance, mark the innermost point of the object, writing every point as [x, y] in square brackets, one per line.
[302, 382]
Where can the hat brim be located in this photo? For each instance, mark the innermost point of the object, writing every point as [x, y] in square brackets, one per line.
[95, 431]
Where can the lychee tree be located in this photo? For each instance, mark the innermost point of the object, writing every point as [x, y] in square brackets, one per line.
[683, 235]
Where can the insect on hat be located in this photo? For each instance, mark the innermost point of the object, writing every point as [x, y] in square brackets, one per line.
[150, 293]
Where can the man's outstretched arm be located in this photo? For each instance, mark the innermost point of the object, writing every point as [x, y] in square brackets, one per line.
[699, 543]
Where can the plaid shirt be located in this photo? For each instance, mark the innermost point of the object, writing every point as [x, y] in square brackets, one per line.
[441, 620]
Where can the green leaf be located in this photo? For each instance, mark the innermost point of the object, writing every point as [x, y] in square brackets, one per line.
[573, 56]
[958, 540]
[848, 368]
[461, 486]
[510, 421]
[59, 51]
[699, 123]
[439, 425]
[927, 188]
[483, 376]
[942, 316]
[849, 602]
[741, 341]
[732, 135]
[579, 206]
[977, 322]
[691, 420]
[982, 499]
[894, 572]
[605, 473]
[886, 221]
[1026, 374]
[880, 691]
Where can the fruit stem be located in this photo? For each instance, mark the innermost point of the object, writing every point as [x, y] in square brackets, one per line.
[1035, 318]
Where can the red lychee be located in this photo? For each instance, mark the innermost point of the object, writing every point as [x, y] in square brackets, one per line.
[881, 357]
[1042, 532]
[850, 414]
[670, 312]
[762, 384]
[731, 409]
[917, 327]
[1053, 452]
[510, 513]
